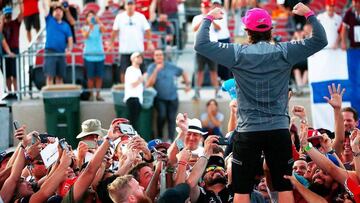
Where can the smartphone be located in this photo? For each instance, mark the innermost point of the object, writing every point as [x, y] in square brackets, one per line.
[91, 144]
[63, 144]
[65, 4]
[16, 124]
[223, 141]
[127, 129]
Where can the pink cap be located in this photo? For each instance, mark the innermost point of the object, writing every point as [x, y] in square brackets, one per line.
[257, 19]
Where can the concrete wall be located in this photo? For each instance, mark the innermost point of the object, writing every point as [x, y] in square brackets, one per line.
[31, 112]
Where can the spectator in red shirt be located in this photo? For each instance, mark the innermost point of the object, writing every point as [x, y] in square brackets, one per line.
[168, 7]
[11, 31]
[162, 24]
[31, 16]
[351, 26]
[147, 8]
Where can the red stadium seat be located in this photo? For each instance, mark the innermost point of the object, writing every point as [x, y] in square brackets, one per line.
[39, 59]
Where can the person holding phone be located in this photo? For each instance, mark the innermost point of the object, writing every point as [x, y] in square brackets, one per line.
[262, 94]
[94, 53]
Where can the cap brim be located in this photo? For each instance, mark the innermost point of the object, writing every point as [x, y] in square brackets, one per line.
[100, 133]
[197, 131]
[315, 137]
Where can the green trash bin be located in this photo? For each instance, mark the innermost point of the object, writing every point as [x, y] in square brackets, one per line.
[146, 115]
[62, 113]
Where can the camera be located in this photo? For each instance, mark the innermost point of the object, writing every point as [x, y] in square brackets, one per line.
[223, 141]
[16, 125]
[127, 129]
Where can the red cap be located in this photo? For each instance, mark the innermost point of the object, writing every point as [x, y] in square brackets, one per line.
[314, 136]
[330, 2]
[205, 4]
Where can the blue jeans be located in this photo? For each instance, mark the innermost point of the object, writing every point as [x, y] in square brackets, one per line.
[166, 111]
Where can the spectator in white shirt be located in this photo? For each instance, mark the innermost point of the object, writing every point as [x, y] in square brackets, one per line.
[132, 29]
[331, 22]
[134, 88]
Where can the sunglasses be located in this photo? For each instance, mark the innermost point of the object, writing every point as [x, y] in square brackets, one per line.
[214, 168]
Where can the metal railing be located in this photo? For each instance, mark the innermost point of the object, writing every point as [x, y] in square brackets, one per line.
[27, 60]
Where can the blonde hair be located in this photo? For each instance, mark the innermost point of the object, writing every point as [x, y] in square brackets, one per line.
[119, 188]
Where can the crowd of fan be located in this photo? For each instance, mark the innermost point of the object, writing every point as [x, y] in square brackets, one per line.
[117, 165]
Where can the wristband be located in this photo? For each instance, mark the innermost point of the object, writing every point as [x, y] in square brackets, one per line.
[308, 147]
[308, 14]
[170, 170]
[210, 17]
[356, 154]
[205, 157]
[182, 163]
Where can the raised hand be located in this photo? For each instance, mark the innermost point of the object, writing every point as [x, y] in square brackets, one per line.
[184, 155]
[336, 95]
[82, 149]
[326, 143]
[216, 13]
[114, 130]
[300, 9]
[303, 135]
[182, 122]
[233, 106]
[65, 159]
[299, 111]
[355, 140]
[34, 150]
[210, 143]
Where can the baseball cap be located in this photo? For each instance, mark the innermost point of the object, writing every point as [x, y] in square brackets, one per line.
[134, 55]
[178, 194]
[206, 4]
[216, 161]
[328, 132]
[130, 2]
[157, 143]
[314, 136]
[7, 10]
[330, 2]
[216, 2]
[229, 87]
[258, 20]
